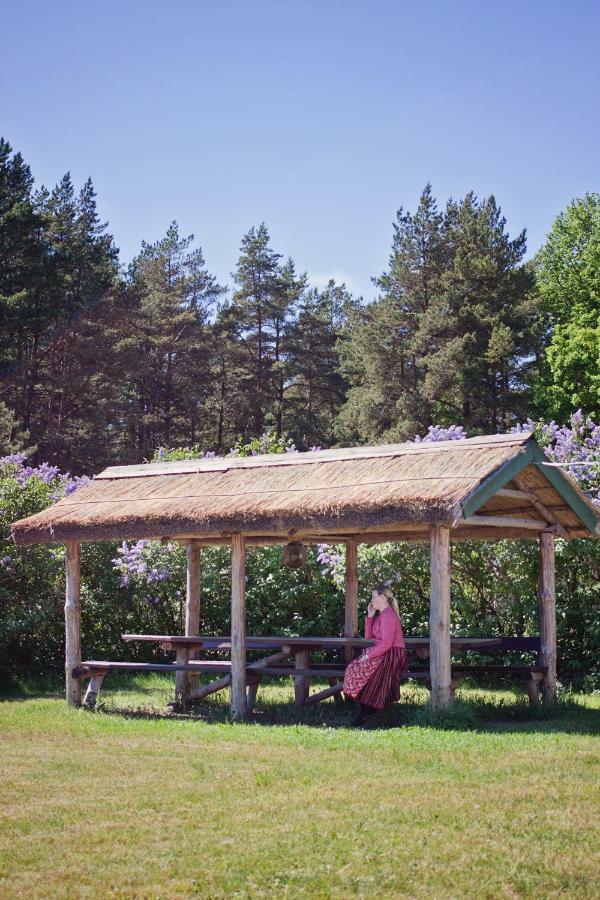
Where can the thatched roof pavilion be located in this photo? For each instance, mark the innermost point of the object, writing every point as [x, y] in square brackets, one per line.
[493, 487]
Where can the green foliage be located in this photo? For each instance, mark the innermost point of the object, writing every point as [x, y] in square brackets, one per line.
[270, 442]
[568, 277]
[454, 334]
[31, 586]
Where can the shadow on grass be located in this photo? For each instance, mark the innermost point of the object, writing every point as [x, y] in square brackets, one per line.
[476, 709]
[485, 711]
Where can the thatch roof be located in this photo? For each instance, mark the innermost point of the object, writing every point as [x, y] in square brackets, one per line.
[335, 492]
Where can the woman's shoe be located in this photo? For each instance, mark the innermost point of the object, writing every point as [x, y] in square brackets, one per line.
[366, 713]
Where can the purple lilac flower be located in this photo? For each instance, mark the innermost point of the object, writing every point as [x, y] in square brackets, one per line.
[575, 445]
[328, 558]
[441, 433]
[13, 459]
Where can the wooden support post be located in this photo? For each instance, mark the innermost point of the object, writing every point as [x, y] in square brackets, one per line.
[301, 682]
[72, 622]
[351, 596]
[238, 626]
[547, 611]
[192, 603]
[439, 617]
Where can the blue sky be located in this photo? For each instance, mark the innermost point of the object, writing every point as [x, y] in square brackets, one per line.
[320, 118]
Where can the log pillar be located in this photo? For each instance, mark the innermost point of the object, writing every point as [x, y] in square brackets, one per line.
[351, 596]
[238, 626]
[547, 612]
[72, 621]
[439, 618]
[185, 682]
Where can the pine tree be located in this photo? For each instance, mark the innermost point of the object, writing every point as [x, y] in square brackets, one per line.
[480, 336]
[455, 334]
[264, 306]
[59, 405]
[168, 351]
[23, 258]
[316, 387]
[383, 353]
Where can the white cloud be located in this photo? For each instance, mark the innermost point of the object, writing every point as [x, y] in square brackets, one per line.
[321, 280]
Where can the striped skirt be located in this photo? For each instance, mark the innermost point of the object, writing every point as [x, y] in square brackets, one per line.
[376, 682]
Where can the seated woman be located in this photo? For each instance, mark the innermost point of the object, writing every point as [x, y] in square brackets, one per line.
[374, 678]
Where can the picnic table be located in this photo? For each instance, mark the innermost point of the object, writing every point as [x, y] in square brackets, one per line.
[291, 655]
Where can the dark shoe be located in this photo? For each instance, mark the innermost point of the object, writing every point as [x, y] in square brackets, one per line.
[366, 713]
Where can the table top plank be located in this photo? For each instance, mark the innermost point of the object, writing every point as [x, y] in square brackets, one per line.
[207, 642]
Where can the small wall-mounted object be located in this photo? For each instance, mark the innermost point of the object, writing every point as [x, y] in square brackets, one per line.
[294, 555]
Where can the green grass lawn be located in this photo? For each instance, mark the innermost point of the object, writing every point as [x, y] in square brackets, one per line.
[494, 801]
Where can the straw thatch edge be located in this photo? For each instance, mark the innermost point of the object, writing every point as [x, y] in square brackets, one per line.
[26, 532]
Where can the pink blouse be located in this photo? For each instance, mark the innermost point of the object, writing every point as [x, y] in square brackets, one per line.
[386, 628]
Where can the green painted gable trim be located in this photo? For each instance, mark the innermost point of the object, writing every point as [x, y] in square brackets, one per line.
[532, 453]
[488, 487]
[570, 493]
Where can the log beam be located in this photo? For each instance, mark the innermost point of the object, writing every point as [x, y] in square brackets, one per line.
[220, 683]
[334, 690]
[439, 617]
[504, 522]
[547, 611]
[72, 621]
[543, 510]
[238, 626]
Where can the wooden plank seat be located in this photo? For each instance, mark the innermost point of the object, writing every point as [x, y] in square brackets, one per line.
[302, 668]
[97, 669]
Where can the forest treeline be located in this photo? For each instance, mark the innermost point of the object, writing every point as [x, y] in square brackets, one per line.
[104, 362]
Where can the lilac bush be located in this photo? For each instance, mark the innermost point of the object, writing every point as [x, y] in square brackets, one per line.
[575, 447]
[442, 433]
[144, 562]
[63, 483]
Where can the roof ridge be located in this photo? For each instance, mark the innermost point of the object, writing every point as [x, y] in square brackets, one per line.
[307, 457]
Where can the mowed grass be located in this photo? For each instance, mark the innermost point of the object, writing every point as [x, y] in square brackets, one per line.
[493, 801]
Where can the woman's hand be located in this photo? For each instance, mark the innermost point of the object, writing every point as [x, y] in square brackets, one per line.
[370, 610]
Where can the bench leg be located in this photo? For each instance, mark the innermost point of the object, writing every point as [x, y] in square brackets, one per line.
[93, 690]
[338, 694]
[252, 692]
[301, 682]
[532, 686]
[455, 682]
[182, 679]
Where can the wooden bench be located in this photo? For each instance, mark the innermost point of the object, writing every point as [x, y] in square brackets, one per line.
[302, 670]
